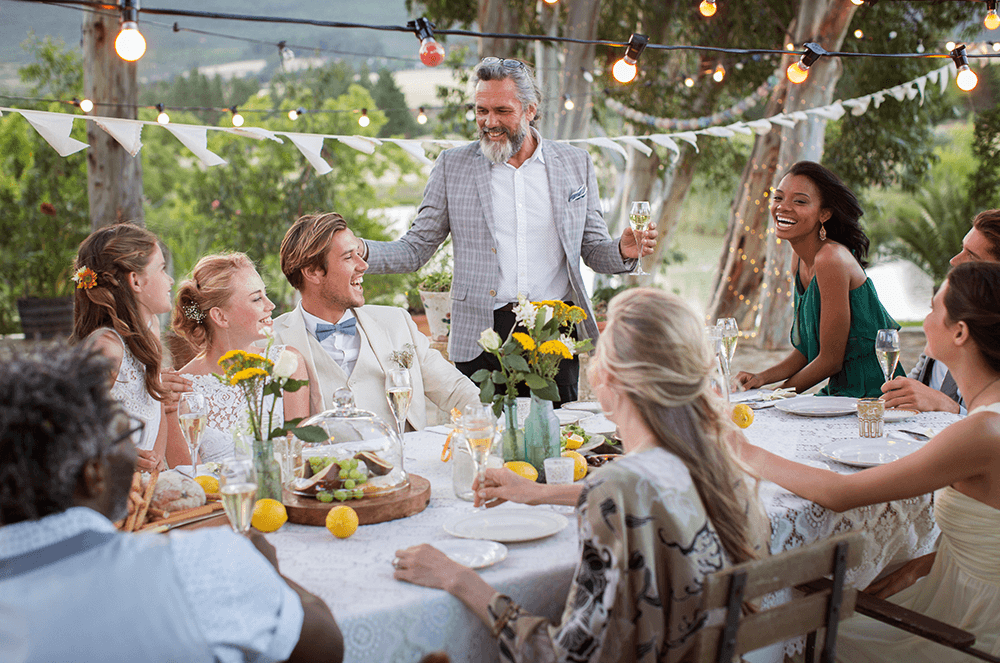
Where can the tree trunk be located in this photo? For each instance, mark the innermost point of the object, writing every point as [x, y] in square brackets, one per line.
[114, 177]
[756, 278]
[496, 16]
[581, 23]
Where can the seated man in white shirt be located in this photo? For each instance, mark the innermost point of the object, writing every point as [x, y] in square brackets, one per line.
[73, 588]
[929, 386]
[348, 344]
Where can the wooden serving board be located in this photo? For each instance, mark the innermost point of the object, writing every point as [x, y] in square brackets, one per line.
[370, 510]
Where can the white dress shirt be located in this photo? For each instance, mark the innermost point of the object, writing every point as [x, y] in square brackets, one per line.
[342, 348]
[530, 253]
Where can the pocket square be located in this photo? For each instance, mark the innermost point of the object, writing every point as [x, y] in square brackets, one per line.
[578, 194]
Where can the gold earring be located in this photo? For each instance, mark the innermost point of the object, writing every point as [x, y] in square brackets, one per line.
[822, 232]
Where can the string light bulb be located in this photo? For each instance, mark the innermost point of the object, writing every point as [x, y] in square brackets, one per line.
[364, 120]
[719, 74]
[295, 113]
[689, 82]
[950, 45]
[431, 52]
[798, 72]
[237, 118]
[859, 34]
[707, 8]
[422, 116]
[625, 69]
[161, 114]
[551, 2]
[966, 79]
[992, 21]
[568, 102]
[858, 2]
[86, 105]
[130, 44]
[996, 46]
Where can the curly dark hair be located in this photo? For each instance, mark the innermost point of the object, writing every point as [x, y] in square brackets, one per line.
[56, 413]
[843, 226]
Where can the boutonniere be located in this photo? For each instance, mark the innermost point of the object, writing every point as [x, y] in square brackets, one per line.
[403, 358]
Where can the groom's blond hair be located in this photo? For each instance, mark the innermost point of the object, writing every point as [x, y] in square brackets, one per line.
[306, 243]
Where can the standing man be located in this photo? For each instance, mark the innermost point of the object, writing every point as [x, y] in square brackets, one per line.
[522, 212]
[929, 385]
[348, 344]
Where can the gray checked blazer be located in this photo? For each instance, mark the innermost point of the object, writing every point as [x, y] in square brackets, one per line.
[458, 200]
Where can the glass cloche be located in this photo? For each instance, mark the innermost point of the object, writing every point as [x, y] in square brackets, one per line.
[362, 457]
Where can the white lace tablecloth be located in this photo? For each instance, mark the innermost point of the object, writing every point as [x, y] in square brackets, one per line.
[386, 620]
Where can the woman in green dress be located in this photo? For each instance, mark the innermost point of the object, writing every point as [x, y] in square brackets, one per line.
[837, 311]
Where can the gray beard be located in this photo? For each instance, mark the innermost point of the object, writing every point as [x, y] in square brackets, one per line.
[502, 152]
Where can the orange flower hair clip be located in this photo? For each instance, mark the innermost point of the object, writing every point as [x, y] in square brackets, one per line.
[85, 278]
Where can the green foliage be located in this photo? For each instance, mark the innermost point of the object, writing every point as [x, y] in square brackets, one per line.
[390, 99]
[930, 238]
[195, 90]
[986, 149]
[439, 281]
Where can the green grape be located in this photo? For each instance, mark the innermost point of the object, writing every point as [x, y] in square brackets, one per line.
[340, 495]
[345, 474]
[362, 479]
[358, 494]
[349, 484]
[355, 474]
[324, 496]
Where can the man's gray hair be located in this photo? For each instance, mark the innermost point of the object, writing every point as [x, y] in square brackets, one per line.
[498, 69]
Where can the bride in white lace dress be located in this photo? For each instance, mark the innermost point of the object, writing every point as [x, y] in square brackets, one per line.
[959, 584]
[223, 307]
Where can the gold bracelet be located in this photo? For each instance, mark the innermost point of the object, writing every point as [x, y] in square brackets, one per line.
[509, 612]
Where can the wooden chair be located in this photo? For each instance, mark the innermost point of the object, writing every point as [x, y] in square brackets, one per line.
[729, 632]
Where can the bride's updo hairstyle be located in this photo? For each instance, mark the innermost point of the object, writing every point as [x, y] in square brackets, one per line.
[654, 352]
[973, 297]
[210, 285]
[109, 255]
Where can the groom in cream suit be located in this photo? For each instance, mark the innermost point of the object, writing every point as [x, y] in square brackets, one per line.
[522, 211]
[348, 344]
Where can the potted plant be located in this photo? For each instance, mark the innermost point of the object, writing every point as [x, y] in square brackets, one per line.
[435, 293]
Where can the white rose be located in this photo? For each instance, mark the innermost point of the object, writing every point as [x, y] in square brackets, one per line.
[489, 340]
[286, 364]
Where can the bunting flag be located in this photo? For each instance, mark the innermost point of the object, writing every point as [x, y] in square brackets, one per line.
[56, 127]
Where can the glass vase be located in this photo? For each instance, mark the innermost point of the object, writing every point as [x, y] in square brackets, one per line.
[268, 470]
[512, 438]
[541, 434]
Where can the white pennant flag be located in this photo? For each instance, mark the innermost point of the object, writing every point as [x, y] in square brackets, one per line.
[690, 137]
[878, 97]
[921, 84]
[859, 106]
[195, 138]
[760, 127]
[898, 91]
[832, 112]
[252, 132]
[783, 120]
[607, 143]
[55, 129]
[740, 128]
[310, 145]
[666, 141]
[635, 143]
[359, 143]
[720, 132]
[413, 148]
[799, 116]
[126, 132]
[944, 76]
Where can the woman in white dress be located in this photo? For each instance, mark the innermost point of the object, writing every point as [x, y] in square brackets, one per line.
[223, 307]
[121, 286]
[960, 583]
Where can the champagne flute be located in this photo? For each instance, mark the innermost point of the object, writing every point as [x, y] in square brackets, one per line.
[730, 336]
[399, 392]
[719, 383]
[192, 412]
[887, 351]
[238, 486]
[479, 426]
[638, 219]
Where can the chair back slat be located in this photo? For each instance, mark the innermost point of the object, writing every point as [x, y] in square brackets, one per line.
[800, 615]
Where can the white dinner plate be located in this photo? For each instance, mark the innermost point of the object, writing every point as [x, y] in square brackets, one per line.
[475, 554]
[598, 425]
[507, 525]
[594, 442]
[869, 452]
[587, 406]
[818, 406]
[898, 414]
[570, 417]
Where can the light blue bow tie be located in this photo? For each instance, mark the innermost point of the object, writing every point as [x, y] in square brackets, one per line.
[346, 327]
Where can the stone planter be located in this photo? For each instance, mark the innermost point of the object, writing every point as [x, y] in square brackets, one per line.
[437, 306]
[46, 318]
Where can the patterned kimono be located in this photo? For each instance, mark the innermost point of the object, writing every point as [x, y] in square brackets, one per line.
[646, 546]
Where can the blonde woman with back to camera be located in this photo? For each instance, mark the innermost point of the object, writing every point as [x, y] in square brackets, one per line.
[223, 307]
[652, 524]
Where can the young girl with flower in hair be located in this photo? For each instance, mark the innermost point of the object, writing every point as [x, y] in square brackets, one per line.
[224, 307]
[121, 286]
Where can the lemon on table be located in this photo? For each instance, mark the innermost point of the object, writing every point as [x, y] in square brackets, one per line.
[574, 441]
[579, 464]
[269, 515]
[742, 415]
[208, 483]
[525, 469]
[342, 521]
